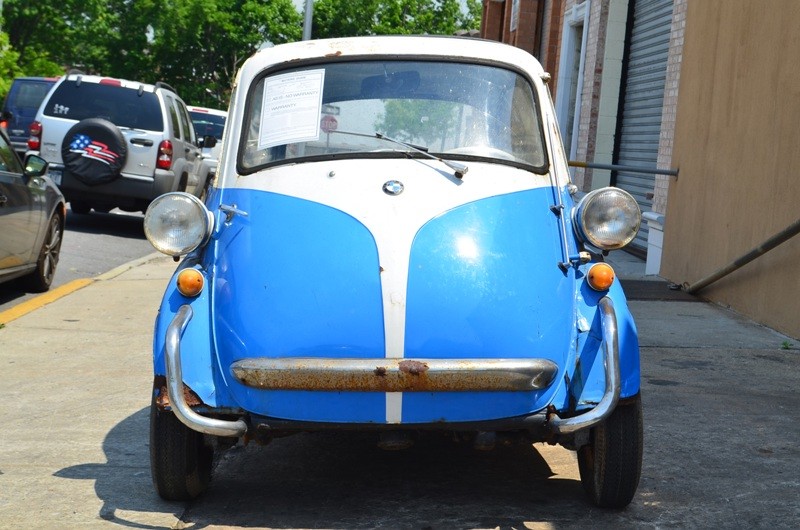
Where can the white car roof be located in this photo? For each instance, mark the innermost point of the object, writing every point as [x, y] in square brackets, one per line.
[396, 45]
[102, 79]
[213, 112]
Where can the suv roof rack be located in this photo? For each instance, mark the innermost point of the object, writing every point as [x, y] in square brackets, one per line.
[75, 71]
[161, 84]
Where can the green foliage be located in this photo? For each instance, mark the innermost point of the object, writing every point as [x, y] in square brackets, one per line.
[8, 65]
[199, 45]
[194, 45]
[342, 18]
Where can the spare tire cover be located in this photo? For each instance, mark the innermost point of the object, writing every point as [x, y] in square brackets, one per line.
[94, 151]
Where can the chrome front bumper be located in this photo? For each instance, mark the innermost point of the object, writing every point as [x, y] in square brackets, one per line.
[393, 375]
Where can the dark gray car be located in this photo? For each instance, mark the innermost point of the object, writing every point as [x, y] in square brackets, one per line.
[32, 214]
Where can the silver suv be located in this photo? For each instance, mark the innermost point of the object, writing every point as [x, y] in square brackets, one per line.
[113, 143]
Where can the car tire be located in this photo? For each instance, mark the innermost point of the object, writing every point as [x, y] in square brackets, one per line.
[610, 466]
[41, 278]
[180, 461]
[94, 151]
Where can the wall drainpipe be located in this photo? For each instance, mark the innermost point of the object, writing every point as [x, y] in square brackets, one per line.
[781, 237]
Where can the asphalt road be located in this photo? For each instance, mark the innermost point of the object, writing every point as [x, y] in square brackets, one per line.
[92, 245]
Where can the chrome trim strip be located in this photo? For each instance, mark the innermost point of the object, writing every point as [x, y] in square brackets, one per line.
[610, 345]
[182, 411]
[395, 374]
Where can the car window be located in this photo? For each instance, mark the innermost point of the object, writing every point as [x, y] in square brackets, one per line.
[188, 131]
[341, 109]
[206, 124]
[173, 114]
[8, 160]
[29, 93]
[125, 107]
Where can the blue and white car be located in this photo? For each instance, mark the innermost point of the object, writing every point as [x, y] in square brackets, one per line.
[393, 244]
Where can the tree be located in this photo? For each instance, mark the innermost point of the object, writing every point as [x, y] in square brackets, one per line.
[50, 35]
[8, 65]
[345, 18]
[194, 45]
[199, 45]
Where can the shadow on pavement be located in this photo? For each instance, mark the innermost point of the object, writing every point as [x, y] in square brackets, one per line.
[123, 482]
[337, 480]
[342, 480]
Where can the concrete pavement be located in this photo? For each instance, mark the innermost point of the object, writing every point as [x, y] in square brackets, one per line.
[721, 415]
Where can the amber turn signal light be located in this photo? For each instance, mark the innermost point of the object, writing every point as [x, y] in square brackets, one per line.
[190, 282]
[600, 276]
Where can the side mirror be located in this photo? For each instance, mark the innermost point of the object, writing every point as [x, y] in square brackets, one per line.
[6, 115]
[35, 166]
[207, 142]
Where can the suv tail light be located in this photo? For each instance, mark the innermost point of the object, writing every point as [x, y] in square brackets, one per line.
[164, 160]
[35, 138]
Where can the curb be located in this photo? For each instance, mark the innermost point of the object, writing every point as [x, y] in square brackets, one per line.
[43, 299]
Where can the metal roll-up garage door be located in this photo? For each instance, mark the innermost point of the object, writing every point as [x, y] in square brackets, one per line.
[639, 120]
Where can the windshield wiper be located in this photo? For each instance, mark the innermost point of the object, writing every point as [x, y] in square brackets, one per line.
[459, 169]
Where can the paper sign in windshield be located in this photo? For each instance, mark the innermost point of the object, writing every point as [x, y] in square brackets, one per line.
[291, 110]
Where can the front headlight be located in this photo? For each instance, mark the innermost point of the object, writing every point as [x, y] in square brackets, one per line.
[607, 218]
[177, 223]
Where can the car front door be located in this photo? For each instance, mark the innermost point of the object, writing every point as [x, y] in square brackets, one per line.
[21, 212]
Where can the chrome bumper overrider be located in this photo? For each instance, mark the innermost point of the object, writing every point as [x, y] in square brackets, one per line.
[605, 407]
[178, 403]
[394, 375]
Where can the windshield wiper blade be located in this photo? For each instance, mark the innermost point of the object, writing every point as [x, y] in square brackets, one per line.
[459, 169]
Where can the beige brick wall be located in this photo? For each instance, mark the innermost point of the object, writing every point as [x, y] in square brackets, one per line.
[670, 108]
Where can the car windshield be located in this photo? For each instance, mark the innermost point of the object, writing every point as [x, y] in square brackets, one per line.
[367, 108]
[206, 124]
[125, 107]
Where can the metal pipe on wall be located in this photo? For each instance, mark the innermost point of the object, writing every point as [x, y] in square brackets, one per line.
[781, 237]
[629, 169]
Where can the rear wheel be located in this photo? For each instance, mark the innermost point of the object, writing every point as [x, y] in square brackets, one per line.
[42, 277]
[180, 461]
[610, 466]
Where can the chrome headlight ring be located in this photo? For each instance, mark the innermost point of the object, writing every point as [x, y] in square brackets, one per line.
[177, 223]
[607, 218]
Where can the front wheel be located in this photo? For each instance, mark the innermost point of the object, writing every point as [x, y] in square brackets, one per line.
[41, 278]
[610, 466]
[180, 461]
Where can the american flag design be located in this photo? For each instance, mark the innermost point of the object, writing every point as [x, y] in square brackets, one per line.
[88, 148]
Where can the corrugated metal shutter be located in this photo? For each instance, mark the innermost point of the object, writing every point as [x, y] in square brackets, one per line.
[643, 95]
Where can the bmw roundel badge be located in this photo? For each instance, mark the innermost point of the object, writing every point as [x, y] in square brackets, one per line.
[393, 187]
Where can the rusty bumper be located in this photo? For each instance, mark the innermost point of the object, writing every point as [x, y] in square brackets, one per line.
[395, 375]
